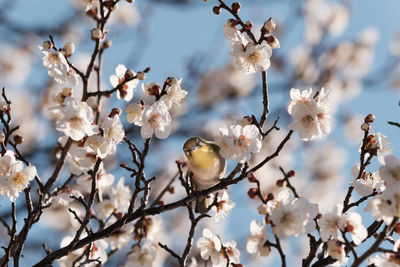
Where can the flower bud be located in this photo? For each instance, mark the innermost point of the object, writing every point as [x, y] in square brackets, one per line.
[291, 173]
[232, 23]
[68, 49]
[365, 127]
[247, 120]
[270, 197]
[96, 34]
[141, 75]
[370, 118]
[115, 111]
[172, 81]
[3, 106]
[47, 45]
[129, 74]
[107, 44]
[248, 25]
[252, 178]
[18, 139]
[273, 41]
[217, 10]
[130, 1]
[171, 189]
[270, 25]
[253, 193]
[279, 183]
[236, 7]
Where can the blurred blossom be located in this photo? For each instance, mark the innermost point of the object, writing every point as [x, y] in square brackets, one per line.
[305, 66]
[270, 173]
[219, 84]
[257, 241]
[15, 65]
[126, 14]
[368, 182]
[142, 256]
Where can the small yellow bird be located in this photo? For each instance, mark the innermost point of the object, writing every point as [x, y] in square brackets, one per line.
[206, 164]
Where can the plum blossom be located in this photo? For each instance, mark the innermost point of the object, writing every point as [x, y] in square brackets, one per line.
[223, 207]
[142, 256]
[13, 177]
[97, 251]
[239, 143]
[175, 94]
[77, 119]
[355, 227]
[257, 242]
[122, 236]
[390, 172]
[386, 259]
[336, 251]
[232, 252]
[251, 58]
[368, 182]
[57, 66]
[311, 115]
[332, 223]
[386, 205]
[103, 183]
[126, 91]
[156, 120]
[113, 133]
[134, 113]
[210, 246]
[379, 146]
[292, 216]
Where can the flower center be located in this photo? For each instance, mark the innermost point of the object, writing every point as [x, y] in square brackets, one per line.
[308, 121]
[75, 122]
[243, 141]
[155, 120]
[254, 57]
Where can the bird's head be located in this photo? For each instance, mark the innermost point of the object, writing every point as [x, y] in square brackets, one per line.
[201, 154]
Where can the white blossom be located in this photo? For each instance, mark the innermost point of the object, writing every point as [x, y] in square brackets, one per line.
[77, 119]
[390, 172]
[134, 113]
[336, 251]
[257, 242]
[311, 115]
[156, 120]
[367, 183]
[210, 246]
[120, 237]
[58, 68]
[252, 58]
[355, 227]
[97, 251]
[113, 133]
[292, 216]
[381, 145]
[142, 256]
[332, 223]
[126, 92]
[238, 142]
[223, 207]
[232, 252]
[175, 95]
[13, 177]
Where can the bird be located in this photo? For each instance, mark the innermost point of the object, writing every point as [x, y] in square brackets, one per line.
[205, 164]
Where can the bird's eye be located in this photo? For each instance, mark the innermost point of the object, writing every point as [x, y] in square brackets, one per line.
[198, 143]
